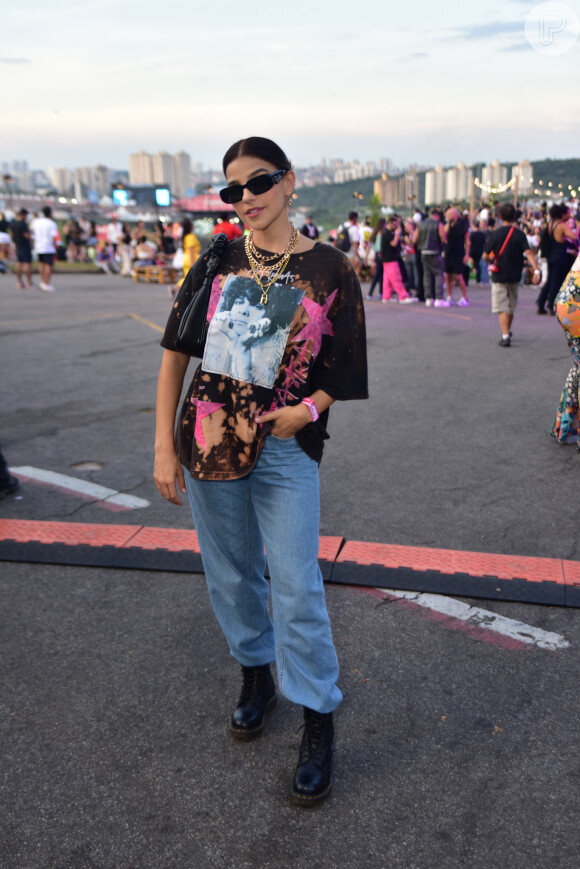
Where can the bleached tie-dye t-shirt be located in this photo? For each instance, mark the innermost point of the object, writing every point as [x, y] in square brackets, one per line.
[309, 335]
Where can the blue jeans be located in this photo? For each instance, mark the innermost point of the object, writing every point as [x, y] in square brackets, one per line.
[275, 506]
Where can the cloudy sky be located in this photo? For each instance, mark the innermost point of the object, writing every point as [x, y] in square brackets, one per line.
[87, 82]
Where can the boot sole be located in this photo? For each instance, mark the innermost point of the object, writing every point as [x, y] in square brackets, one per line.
[250, 734]
[304, 800]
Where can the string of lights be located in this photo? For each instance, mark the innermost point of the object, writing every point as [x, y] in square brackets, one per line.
[549, 188]
[501, 188]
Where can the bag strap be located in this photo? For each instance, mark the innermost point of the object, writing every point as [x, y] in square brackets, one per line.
[216, 251]
[507, 238]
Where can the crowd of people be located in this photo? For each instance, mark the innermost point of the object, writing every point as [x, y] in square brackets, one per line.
[423, 257]
[115, 247]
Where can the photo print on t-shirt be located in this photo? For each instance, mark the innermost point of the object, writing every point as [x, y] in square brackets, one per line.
[245, 339]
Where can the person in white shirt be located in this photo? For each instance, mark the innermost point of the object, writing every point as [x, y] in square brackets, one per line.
[354, 232]
[115, 232]
[45, 232]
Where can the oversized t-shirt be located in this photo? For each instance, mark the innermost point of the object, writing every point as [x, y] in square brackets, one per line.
[309, 335]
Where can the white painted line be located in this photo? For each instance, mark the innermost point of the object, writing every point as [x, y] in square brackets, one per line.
[481, 618]
[81, 487]
[132, 502]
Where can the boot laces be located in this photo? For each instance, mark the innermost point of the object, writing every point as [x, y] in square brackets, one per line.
[251, 677]
[316, 739]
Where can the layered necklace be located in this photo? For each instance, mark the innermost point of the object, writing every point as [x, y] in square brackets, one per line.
[267, 268]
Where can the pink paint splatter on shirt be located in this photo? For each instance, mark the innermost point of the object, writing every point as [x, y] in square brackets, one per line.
[318, 325]
[214, 298]
[204, 408]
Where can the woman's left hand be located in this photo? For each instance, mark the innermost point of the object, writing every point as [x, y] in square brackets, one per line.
[287, 420]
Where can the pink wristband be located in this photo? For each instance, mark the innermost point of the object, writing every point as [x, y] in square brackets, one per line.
[311, 407]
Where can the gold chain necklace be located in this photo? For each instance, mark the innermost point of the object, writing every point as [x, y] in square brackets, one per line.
[259, 262]
[264, 258]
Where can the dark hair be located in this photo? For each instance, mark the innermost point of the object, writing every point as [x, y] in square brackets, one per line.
[281, 306]
[379, 226]
[187, 226]
[352, 215]
[236, 290]
[47, 211]
[557, 211]
[507, 212]
[256, 146]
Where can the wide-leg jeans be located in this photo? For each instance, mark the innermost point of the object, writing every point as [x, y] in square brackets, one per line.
[275, 506]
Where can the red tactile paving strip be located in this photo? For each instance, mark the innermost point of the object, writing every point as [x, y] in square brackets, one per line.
[454, 561]
[173, 539]
[329, 547]
[71, 533]
[554, 581]
[571, 572]
[138, 536]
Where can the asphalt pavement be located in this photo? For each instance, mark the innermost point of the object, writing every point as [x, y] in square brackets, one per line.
[454, 748]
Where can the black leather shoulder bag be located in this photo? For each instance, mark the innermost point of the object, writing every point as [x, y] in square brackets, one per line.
[192, 332]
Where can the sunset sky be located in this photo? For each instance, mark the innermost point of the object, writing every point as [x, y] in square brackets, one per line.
[87, 82]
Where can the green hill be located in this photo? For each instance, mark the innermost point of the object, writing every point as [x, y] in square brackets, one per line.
[330, 203]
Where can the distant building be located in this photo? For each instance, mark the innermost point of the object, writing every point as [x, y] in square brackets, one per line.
[181, 173]
[140, 168]
[353, 170]
[400, 192]
[24, 181]
[494, 175]
[387, 189]
[409, 189]
[458, 183]
[525, 176]
[86, 176]
[61, 179]
[435, 186]
[163, 170]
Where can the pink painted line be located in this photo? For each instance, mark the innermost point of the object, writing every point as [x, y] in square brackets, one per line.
[479, 624]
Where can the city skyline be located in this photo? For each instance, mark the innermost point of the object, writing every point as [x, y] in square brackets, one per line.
[180, 176]
[93, 82]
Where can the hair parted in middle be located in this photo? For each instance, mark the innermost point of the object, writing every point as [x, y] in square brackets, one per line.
[257, 146]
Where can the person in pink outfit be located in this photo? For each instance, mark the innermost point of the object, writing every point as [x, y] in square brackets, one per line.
[391, 258]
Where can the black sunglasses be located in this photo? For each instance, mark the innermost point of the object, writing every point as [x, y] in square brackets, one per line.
[258, 185]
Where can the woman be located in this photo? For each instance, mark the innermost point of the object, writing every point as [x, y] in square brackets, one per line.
[191, 251]
[556, 242]
[392, 262]
[566, 428]
[124, 251]
[251, 452]
[375, 241]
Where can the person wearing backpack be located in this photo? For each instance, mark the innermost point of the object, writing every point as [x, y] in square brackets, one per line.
[348, 241]
[505, 250]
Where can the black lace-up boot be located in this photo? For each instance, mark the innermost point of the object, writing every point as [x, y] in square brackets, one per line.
[258, 695]
[313, 776]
